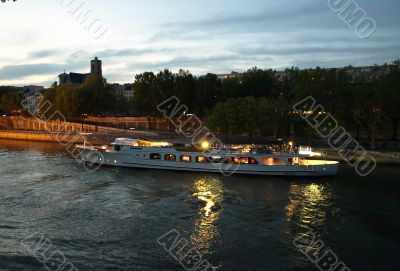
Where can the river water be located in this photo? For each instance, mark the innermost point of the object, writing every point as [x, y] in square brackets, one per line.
[111, 219]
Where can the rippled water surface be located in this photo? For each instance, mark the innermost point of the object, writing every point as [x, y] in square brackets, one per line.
[111, 219]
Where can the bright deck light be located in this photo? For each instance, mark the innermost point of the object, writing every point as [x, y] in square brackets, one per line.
[205, 145]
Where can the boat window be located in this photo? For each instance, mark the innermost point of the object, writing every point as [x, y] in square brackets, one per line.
[170, 157]
[243, 160]
[215, 159]
[252, 161]
[229, 160]
[201, 159]
[295, 161]
[186, 158]
[155, 156]
[117, 147]
[273, 161]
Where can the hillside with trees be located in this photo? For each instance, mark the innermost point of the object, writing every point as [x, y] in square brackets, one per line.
[260, 102]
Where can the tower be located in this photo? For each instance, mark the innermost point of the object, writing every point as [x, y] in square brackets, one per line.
[96, 67]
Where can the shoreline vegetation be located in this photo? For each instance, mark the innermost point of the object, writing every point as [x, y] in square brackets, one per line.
[257, 103]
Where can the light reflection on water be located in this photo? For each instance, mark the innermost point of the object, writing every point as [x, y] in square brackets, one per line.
[308, 204]
[208, 190]
[309, 207]
[111, 219]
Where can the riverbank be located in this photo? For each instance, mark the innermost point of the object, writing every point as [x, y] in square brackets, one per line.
[381, 157]
[48, 137]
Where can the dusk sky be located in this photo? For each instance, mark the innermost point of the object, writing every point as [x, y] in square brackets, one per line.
[39, 39]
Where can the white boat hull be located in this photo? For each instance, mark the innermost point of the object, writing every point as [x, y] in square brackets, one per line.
[326, 168]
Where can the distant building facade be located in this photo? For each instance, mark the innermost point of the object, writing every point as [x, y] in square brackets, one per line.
[129, 92]
[118, 89]
[96, 67]
[31, 90]
[33, 98]
[79, 78]
[367, 73]
[231, 75]
[125, 90]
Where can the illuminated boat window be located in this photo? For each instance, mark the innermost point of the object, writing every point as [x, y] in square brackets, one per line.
[242, 160]
[216, 159]
[293, 161]
[252, 161]
[170, 157]
[201, 159]
[229, 160]
[186, 158]
[245, 160]
[273, 161]
[155, 156]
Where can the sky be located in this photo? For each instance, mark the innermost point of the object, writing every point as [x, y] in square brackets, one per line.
[41, 39]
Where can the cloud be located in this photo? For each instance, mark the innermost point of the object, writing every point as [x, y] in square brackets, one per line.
[288, 17]
[17, 71]
[318, 50]
[52, 70]
[126, 52]
[44, 53]
[221, 38]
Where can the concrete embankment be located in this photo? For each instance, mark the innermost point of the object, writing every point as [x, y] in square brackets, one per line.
[37, 136]
[31, 129]
[381, 157]
[49, 137]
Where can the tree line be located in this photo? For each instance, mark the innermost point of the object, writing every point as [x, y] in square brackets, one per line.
[199, 94]
[10, 99]
[95, 97]
[258, 102]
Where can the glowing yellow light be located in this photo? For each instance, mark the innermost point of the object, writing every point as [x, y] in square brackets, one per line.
[205, 145]
[291, 144]
[159, 144]
[206, 231]
[186, 158]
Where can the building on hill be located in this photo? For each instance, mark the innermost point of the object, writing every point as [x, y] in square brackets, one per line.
[366, 73]
[72, 78]
[128, 91]
[33, 98]
[31, 90]
[95, 67]
[118, 89]
[79, 78]
[125, 90]
[231, 75]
